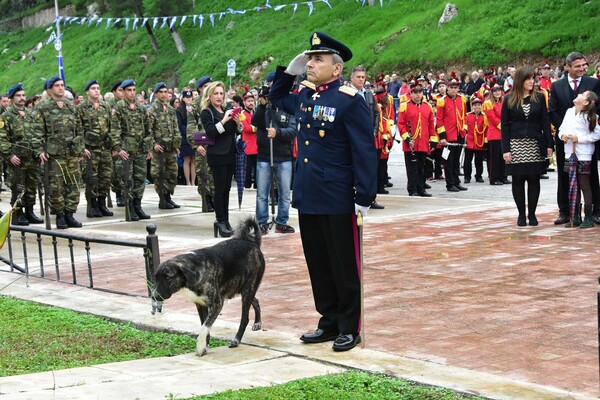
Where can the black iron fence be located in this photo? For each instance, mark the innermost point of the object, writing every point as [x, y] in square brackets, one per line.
[28, 250]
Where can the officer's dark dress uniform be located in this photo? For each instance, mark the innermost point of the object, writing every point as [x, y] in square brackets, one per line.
[336, 168]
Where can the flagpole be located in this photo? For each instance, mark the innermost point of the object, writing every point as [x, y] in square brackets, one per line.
[58, 45]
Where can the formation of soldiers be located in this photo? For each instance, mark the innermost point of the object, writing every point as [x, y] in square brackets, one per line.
[57, 146]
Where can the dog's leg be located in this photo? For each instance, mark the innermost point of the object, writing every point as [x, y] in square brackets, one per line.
[211, 317]
[257, 320]
[203, 312]
[247, 300]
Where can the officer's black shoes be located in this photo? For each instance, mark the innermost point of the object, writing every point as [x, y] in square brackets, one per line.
[496, 182]
[71, 221]
[452, 189]
[102, 207]
[19, 218]
[424, 194]
[376, 206]
[467, 180]
[346, 342]
[383, 191]
[60, 221]
[319, 336]
[478, 179]
[171, 202]
[544, 176]
[460, 187]
[284, 228]
[388, 184]
[137, 206]
[427, 186]
[562, 219]
[120, 201]
[31, 217]
[506, 181]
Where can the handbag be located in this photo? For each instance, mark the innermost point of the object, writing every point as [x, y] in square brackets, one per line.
[202, 139]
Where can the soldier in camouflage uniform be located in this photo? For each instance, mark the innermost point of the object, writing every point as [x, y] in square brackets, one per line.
[132, 141]
[3, 108]
[116, 180]
[206, 185]
[18, 145]
[56, 123]
[163, 127]
[95, 116]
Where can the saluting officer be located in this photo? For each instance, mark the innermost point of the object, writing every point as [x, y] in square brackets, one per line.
[95, 116]
[163, 127]
[335, 177]
[18, 147]
[56, 122]
[131, 139]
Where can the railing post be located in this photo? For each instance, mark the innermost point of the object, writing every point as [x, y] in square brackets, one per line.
[153, 256]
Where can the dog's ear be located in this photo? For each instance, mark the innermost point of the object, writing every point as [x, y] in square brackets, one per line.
[192, 275]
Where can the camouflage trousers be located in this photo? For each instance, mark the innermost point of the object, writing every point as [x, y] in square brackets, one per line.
[204, 175]
[102, 168]
[163, 169]
[64, 176]
[116, 183]
[136, 175]
[28, 173]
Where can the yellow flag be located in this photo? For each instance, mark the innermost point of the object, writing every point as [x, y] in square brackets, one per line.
[4, 227]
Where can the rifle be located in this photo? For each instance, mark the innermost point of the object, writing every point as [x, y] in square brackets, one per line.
[161, 182]
[127, 189]
[90, 187]
[47, 193]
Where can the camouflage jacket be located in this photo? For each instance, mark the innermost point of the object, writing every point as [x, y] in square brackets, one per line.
[130, 129]
[193, 120]
[96, 123]
[56, 122]
[163, 125]
[17, 134]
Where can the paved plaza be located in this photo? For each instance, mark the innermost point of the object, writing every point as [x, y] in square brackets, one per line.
[455, 293]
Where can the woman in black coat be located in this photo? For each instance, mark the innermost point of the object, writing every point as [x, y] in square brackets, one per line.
[526, 141]
[221, 126]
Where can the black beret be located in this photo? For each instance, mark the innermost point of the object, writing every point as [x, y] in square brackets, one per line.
[51, 81]
[89, 85]
[116, 85]
[203, 81]
[159, 86]
[270, 76]
[323, 43]
[14, 89]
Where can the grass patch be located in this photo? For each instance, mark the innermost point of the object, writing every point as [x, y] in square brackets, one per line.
[352, 385]
[37, 338]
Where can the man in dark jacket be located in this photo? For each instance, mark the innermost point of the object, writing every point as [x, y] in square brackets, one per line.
[275, 134]
[562, 94]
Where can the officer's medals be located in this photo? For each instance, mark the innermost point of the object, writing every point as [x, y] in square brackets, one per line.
[322, 113]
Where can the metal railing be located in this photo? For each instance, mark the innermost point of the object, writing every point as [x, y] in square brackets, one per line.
[38, 265]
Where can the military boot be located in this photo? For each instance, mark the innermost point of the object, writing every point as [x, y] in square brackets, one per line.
[132, 214]
[60, 221]
[210, 206]
[587, 221]
[31, 217]
[171, 202]
[94, 211]
[120, 201]
[19, 218]
[163, 203]
[102, 207]
[137, 206]
[71, 221]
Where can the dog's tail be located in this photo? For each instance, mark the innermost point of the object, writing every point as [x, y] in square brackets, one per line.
[249, 230]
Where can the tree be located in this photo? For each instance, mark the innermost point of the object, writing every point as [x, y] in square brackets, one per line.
[121, 8]
[172, 8]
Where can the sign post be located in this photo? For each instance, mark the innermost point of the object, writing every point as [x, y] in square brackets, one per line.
[230, 70]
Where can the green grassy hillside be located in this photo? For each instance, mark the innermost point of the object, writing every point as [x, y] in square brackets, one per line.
[401, 36]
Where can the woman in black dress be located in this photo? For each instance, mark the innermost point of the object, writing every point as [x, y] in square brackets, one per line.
[185, 150]
[223, 127]
[526, 141]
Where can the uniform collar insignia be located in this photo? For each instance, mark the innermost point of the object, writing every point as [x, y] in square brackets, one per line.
[322, 88]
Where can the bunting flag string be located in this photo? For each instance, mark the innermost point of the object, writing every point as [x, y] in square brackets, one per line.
[170, 21]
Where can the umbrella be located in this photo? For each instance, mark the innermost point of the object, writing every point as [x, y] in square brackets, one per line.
[573, 189]
[240, 169]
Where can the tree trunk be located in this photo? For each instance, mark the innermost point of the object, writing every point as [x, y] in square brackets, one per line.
[152, 37]
[178, 42]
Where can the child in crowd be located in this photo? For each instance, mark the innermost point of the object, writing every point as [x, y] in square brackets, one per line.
[477, 125]
[579, 131]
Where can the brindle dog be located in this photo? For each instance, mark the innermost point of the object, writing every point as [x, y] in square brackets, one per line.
[211, 275]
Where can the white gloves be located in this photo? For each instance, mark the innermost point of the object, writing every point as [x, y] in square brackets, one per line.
[363, 210]
[297, 65]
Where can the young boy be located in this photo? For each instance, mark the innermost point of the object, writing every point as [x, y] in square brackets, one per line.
[477, 124]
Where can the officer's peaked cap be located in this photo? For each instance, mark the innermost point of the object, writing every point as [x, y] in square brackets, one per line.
[322, 43]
